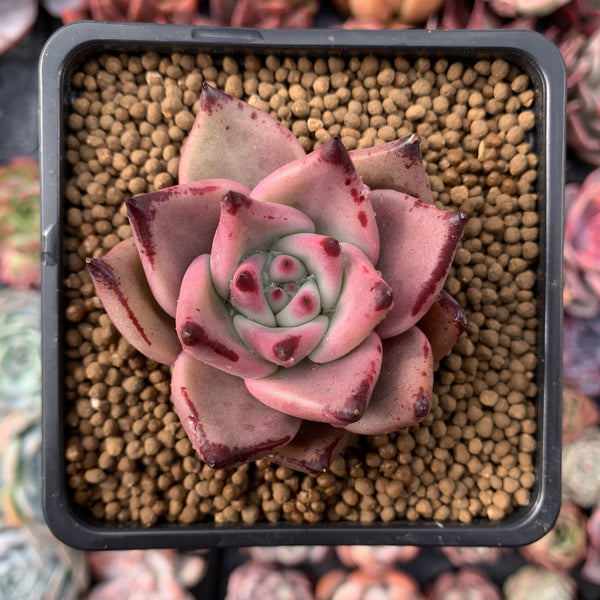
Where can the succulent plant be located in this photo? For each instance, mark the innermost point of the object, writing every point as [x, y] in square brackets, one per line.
[591, 568]
[20, 467]
[253, 579]
[33, 564]
[375, 557]
[377, 14]
[582, 247]
[465, 584]
[565, 545]
[288, 556]
[20, 223]
[515, 8]
[579, 412]
[286, 288]
[361, 584]
[20, 350]
[268, 14]
[144, 574]
[581, 469]
[530, 581]
[581, 353]
[464, 556]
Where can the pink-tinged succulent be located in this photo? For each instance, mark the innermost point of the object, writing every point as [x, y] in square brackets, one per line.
[531, 581]
[285, 288]
[288, 556]
[144, 574]
[468, 556]
[255, 580]
[515, 8]
[591, 568]
[267, 14]
[378, 14]
[581, 353]
[20, 223]
[361, 584]
[565, 545]
[466, 584]
[16, 19]
[579, 412]
[581, 469]
[375, 557]
[183, 12]
[582, 247]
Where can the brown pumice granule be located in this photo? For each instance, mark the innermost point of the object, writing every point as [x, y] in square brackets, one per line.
[128, 458]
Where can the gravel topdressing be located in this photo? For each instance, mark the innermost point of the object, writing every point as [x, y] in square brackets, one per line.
[128, 458]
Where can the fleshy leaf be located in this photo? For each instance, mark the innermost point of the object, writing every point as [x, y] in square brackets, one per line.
[186, 213]
[443, 324]
[284, 346]
[402, 396]
[224, 423]
[326, 186]
[364, 301]
[277, 297]
[231, 139]
[285, 268]
[396, 165]
[246, 225]
[418, 244]
[313, 449]
[303, 307]
[322, 256]
[247, 294]
[205, 326]
[336, 392]
[122, 287]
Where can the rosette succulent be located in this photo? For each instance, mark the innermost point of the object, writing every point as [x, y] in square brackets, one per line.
[581, 469]
[530, 581]
[290, 291]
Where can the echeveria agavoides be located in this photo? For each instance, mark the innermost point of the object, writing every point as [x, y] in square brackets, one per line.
[298, 304]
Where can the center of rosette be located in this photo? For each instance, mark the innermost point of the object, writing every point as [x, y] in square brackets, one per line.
[275, 289]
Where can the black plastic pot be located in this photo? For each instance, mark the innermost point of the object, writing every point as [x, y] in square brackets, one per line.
[537, 57]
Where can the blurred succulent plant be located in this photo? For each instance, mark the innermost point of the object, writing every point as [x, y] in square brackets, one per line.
[375, 557]
[582, 245]
[20, 223]
[465, 584]
[20, 350]
[465, 556]
[33, 564]
[365, 584]
[268, 14]
[288, 556]
[531, 581]
[565, 545]
[20, 467]
[591, 568]
[579, 412]
[581, 469]
[255, 580]
[292, 323]
[581, 353]
[514, 8]
[144, 574]
[389, 14]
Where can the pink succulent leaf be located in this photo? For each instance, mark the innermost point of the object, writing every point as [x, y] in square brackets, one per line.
[419, 242]
[247, 292]
[402, 396]
[325, 185]
[285, 268]
[396, 165]
[337, 392]
[283, 346]
[233, 140]
[16, 19]
[365, 300]
[245, 226]
[322, 256]
[188, 213]
[277, 297]
[122, 287]
[443, 324]
[304, 306]
[313, 448]
[205, 326]
[224, 423]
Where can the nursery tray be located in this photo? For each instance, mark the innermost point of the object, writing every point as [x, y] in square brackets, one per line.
[68, 48]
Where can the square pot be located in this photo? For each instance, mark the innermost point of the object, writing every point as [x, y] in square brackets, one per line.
[79, 525]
